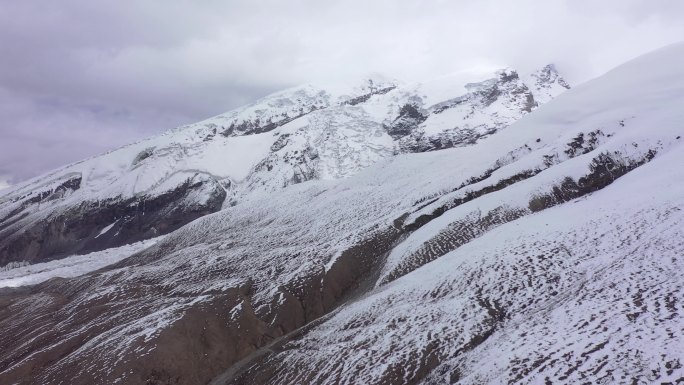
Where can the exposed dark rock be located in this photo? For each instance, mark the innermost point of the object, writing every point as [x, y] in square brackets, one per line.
[603, 170]
[408, 121]
[352, 274]
[469, 195]
[419, 142]
[142, 155]
[249, 127]
[549, 74]
[77, 228]
[581, 145]
[205, 341]
[443, 106]
[453, 236]
[364, 98]
[280, 142]
[69, 185]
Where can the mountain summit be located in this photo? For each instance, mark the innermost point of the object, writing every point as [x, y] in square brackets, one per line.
[157, 185]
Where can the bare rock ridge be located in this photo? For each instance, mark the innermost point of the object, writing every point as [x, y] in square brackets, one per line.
[79, 228]
[155, 186]
[547, 252]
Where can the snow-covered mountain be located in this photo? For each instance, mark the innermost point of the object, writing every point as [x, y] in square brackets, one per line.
[157, 185]
[547, 252]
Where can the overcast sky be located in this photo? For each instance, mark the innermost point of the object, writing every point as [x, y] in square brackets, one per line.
[79, 77]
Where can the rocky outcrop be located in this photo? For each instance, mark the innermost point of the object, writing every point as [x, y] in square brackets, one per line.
[494, 103]
[407, 122]
[373, 89]
[96, 225]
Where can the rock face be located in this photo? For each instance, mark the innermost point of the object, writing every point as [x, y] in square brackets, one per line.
[97, 225]
[157, 185]
[546, 252]
[487, 107]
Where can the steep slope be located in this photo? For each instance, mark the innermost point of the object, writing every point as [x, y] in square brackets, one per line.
[157, 185]
[586, 292]
[545, 253]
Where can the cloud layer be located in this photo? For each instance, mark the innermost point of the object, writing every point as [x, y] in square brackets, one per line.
[79, 77]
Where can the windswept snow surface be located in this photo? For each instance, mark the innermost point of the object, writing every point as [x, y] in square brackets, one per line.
[587, 291]
[547, 252]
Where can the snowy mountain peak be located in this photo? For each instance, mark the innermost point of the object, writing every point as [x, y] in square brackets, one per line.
[549, 75]
[547, 83]
[303, 133]
[373, 82]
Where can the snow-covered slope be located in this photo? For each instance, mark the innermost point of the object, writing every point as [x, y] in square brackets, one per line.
[157, 185]
[585, 292]
[547, 252]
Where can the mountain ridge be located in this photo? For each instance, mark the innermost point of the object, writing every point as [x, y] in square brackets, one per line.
[288, 137]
